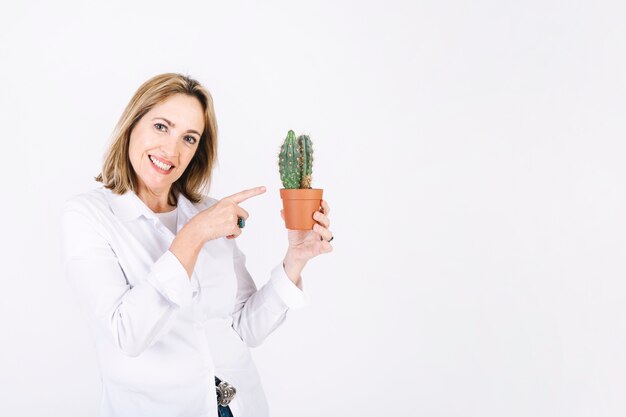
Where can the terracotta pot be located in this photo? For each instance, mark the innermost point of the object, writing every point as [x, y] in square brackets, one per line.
[299, 205]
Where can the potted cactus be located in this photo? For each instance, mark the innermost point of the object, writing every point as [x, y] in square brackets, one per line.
[300, 201]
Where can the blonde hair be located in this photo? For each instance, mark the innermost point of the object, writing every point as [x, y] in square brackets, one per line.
[118, 173]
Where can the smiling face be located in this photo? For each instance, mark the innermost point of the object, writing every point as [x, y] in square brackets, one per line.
[163, 143]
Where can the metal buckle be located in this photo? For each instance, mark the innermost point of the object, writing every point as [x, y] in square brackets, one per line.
[225, 393]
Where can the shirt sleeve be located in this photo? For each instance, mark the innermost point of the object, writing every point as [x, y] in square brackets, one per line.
[134, 316]
[259, 312]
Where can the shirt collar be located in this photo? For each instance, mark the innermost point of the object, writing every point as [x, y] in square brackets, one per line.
[129, 206]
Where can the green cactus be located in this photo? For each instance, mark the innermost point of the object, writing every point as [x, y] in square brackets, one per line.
[295, 161]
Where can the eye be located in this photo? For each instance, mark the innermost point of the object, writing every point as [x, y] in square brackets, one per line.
[192, 138]
[159, 126]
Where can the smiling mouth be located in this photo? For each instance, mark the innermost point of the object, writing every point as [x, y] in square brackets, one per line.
[159, 164]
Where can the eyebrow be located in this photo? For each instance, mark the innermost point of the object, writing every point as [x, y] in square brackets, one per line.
[173, 125]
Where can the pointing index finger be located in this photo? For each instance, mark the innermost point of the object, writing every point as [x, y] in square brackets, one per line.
[246, 194]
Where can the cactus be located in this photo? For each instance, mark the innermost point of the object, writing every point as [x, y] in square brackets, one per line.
[295, 161]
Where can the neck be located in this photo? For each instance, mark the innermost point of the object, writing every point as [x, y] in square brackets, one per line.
[156, 201]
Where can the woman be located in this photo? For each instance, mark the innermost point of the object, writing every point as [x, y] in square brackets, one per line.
[171, 305]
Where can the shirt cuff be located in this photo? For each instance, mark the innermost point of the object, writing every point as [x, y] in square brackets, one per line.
[170, 279]
[289, 293]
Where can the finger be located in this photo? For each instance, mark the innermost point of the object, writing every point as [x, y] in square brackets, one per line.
[246, 194]
[325, 208]
[322, 231]
[321, 218]
[242, 213]
[236, 233]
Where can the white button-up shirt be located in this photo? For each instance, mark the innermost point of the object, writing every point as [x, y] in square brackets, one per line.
[160, 336]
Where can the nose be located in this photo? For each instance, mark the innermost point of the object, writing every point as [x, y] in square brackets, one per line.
[168, 147]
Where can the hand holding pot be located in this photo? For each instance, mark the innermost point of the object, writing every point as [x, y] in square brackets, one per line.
[307, 244]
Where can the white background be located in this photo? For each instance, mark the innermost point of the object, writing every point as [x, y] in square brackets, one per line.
[472, 153]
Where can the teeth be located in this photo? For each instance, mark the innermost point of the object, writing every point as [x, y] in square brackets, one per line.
[161, 165]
